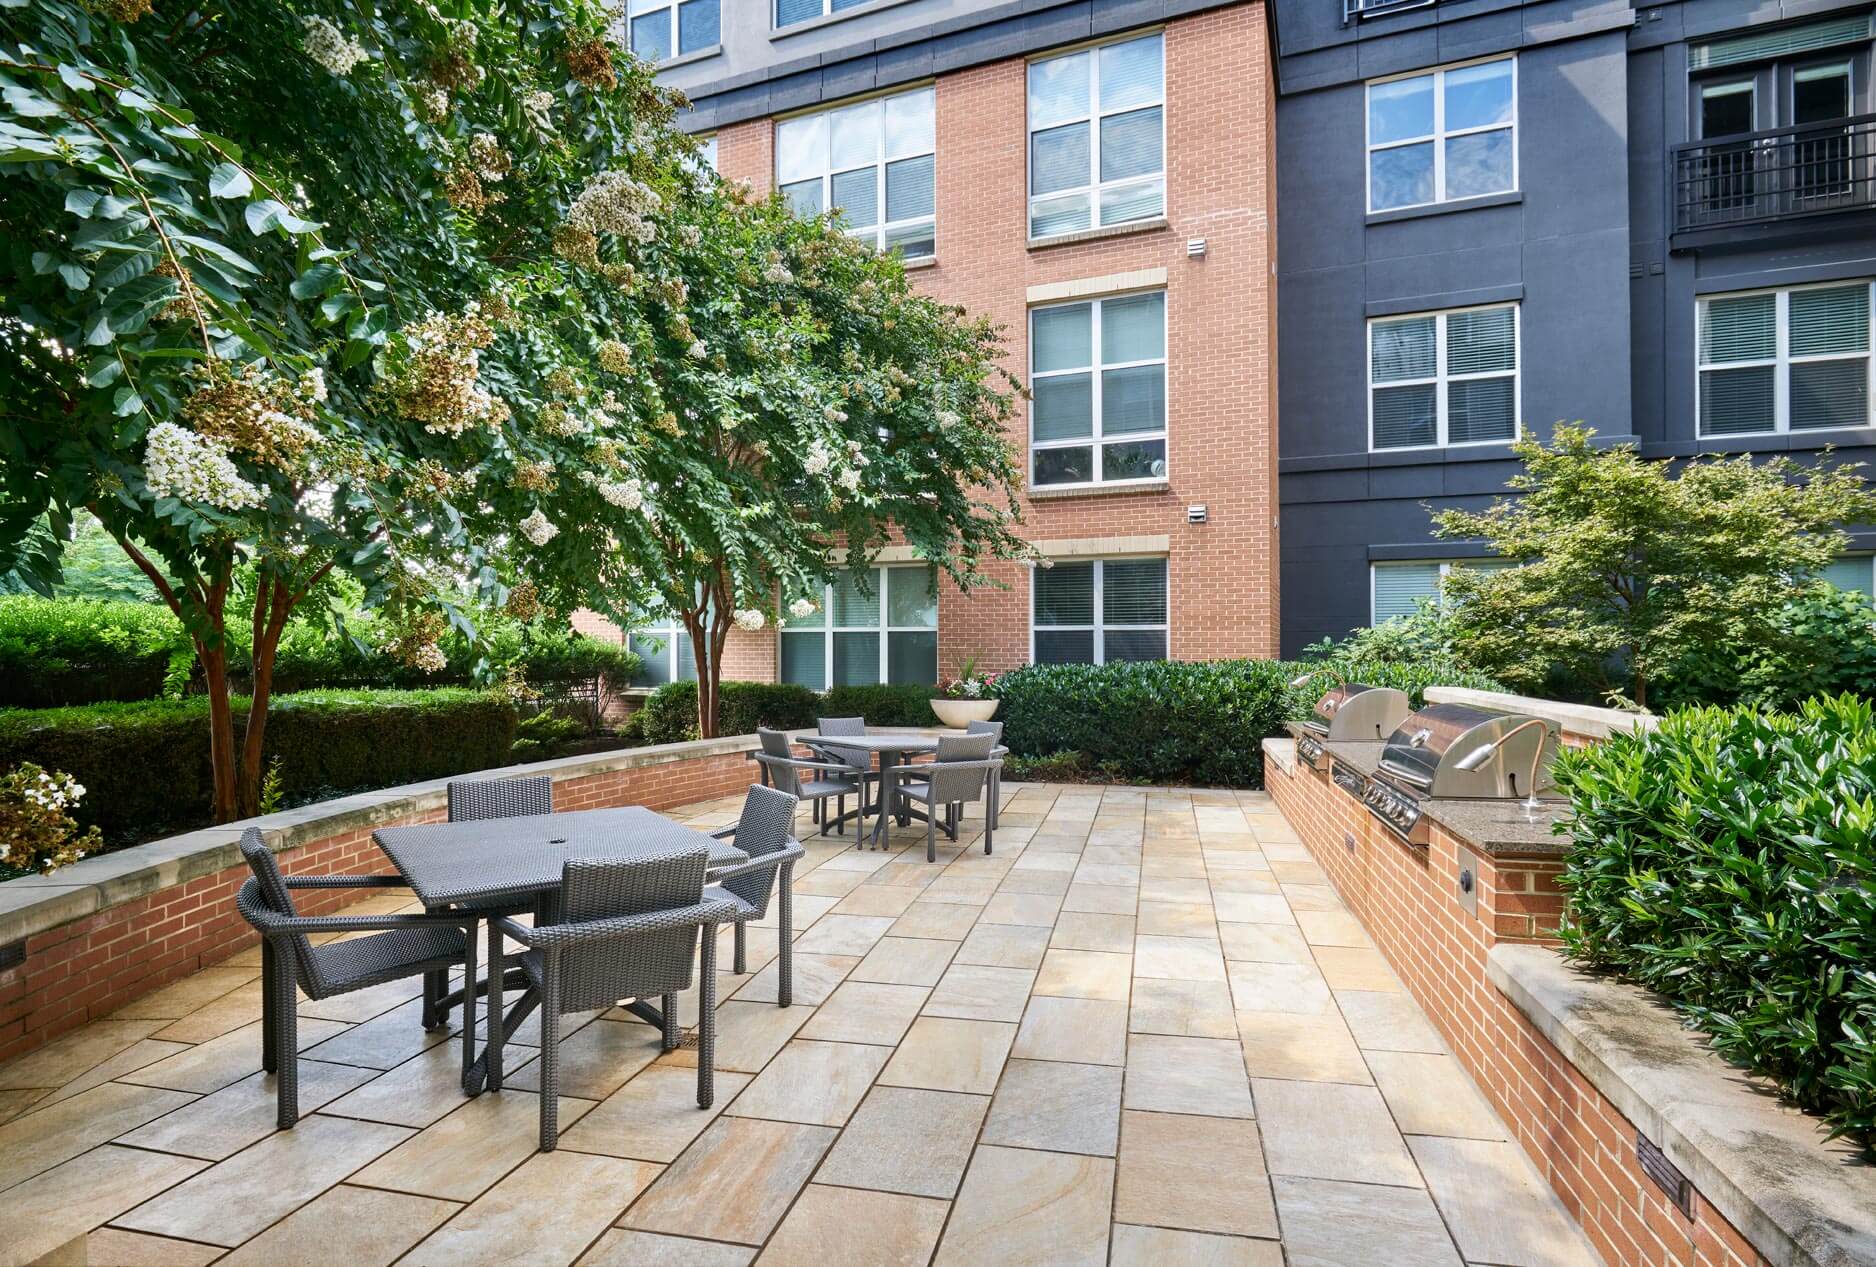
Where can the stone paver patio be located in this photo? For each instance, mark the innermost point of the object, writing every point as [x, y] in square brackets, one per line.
[1145, 1031]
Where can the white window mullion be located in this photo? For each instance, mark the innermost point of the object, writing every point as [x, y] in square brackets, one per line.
[1440, 434]
[1439, 160]
[1099, 610]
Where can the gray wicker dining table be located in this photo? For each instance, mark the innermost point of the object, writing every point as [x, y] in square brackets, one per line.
[892, 747]
[522, 859]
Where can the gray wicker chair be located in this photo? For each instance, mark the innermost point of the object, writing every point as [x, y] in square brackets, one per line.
[473, 800]
[962, 772]
[826, 744]
[816, 781]
[995, 730]
[628, 929]
[765, 833]
[401, 946]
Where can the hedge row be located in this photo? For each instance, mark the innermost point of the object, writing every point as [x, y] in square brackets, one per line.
[145, 765]
[57, 652]
[1727, 859]
[670, 715]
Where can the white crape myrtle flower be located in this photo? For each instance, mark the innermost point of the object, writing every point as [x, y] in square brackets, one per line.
[832, 414]
[313, 385]
[430, 658]
[947, 419]
[849, 478]
[539, 529]
[193, 468]
[697, 351]
[613, 202]
[818, 459]
[330, 47]
[749, 620]
[802, 608]
[626, 495]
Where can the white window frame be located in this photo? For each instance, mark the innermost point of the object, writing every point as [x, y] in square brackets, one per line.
[885, 629]
[668, 632]
[1099, 628]
[1781, 361]
[1092, 118]
[1095, 439]
[1439, 135]
[880, 231]
[1446, 568]
[644, 8]
[827, 10]
[1441, 379]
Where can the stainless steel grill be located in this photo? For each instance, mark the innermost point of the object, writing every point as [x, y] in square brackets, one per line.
[1453, 750]
[1352, 711]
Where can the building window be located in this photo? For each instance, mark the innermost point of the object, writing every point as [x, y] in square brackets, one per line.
[1100, 612]
[663, 29]
[664, 651]
[1443, 135]
[1856, 572]
[1785, 360]
[789, 12]
[707, 152]
[1097, 137]
[854, 639]
[1098, 382]
[1443, 378]
[1398, 589]
[875, 161]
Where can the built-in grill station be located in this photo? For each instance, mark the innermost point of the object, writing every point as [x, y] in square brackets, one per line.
[1455, 750]
[1352, 711]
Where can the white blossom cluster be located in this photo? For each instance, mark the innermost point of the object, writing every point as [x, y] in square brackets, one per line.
[947, 419]
[690, 235]
[697, 351]
[749, 619]
[802, 608]
[53, 789]
[539, 529]
[430, 658]
[538, 107]
[625, 494]
[775, 272]
[312, 385]
[832, 414]
[194, 468]
[818, 459]
[848, 478]
[331, 47]
[613, 202]
[491, 160]
[287, 432]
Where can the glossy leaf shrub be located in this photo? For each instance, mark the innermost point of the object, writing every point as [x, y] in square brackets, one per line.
[670, 715]
[1728, 861]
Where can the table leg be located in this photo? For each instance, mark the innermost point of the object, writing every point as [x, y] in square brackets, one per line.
[887, 759]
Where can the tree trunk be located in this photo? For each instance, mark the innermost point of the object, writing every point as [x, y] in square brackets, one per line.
[221, 742]
[707, 664]
[1641, 690]
[272, 605]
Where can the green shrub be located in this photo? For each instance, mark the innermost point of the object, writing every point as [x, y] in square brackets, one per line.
[1825, 644]
[543, 734]
[145, 764]
[880, 705]
[670, 715]
[1163, 722]
[77, 651]
[1408, 653]
[1728, 860]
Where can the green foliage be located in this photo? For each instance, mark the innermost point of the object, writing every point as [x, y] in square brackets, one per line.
[77, 651]
[145, 765]
[883, 705]
[37, 829]
[1627, 566]
[1160, 722]
[1408, 653]
[670, 715]
[1727, 860]
[1822, 642]
[541, 735]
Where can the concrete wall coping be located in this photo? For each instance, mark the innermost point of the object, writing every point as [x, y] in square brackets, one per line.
[1576, 719]
[1281, 753]
[34, 904]
[1765, 1166]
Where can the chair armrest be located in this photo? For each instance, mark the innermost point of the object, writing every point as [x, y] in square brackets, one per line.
[269, 923]
[797, 763]
[560, 936]
[926, 770]
[790, 852]
[345, 881]
[724, 833]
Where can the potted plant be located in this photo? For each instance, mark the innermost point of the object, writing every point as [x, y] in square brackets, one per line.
[967, 699]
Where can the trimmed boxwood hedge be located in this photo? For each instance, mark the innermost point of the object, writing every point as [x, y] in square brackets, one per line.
[670, 715]
[145, 765]
[1727, 859]
[77, 651]
[881, 705]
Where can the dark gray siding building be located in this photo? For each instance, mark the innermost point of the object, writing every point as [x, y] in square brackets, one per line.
[1495, 216]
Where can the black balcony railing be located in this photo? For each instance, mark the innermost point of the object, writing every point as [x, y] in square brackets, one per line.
[1356, 10]
[1780, 174]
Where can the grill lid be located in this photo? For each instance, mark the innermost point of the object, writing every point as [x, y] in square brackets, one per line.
[1423, 753]
[1355, 710]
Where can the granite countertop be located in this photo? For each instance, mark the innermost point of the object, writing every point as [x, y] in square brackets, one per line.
[1490, 826]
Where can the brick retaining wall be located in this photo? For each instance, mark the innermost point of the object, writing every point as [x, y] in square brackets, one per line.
[86, 968]
[1408, 898]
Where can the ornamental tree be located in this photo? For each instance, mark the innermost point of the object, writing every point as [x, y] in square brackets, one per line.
[1630, 565]
[798, 405]
[304, 289]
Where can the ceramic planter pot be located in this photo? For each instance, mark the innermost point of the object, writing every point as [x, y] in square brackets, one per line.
[957, 712]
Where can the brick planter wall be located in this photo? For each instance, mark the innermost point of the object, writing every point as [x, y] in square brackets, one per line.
[1407, 898]
[162, 912]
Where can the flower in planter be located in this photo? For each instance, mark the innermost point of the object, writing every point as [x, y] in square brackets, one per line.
[969, 684]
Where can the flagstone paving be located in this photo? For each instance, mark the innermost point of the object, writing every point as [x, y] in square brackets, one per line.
[1143, 1031]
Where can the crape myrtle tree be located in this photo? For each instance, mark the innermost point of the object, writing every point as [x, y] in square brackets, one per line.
[301, 289]
[799, 405]
[1628, 565]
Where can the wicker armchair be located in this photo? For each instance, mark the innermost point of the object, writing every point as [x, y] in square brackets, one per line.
[826, 744]
[476, 800]
[963, 771]
[402, 946]
[628, 929]
[764, 832]
[995, 730]
[815, 781]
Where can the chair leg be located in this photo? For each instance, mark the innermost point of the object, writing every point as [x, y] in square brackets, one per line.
[840, 815]
[469, 999]
[429, 1001]
[497, 968]
[270, 1061]
[668, 1039]
[931, 832]
[707, 1018]
[550, 1052]
[990, 830]
[742, 948]
[785, 938]
[286, 1039]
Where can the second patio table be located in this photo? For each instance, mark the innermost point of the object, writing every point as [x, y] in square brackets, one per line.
[522, 859]
[892, 747]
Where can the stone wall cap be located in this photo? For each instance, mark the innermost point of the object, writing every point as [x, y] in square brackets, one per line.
[1576, 719]
[35, 904]
[1800, 1200]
